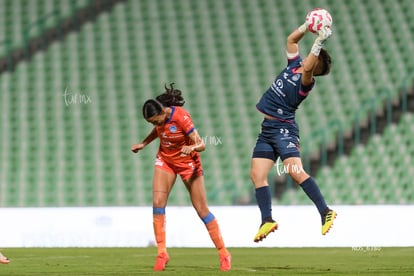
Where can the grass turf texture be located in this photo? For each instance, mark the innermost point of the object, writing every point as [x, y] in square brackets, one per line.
[205, 261]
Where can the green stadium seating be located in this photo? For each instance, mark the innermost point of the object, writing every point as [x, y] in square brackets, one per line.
[223, 55]
[380, 172]
[24, 20]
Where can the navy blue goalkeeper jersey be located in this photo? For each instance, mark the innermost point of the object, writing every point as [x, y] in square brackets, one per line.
[286, 93]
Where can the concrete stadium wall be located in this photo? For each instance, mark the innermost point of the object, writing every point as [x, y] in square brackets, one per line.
[299, 226]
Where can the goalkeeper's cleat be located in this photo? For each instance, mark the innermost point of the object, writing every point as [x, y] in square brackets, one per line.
[4, 259]
[225, 262]
[161, 261]
[265, 229]
[327, 221]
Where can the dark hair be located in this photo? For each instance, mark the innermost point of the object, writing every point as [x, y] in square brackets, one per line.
[326, 60]
[151, 108]
[171, 96]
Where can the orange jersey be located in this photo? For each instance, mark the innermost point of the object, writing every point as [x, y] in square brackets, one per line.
[174, 135]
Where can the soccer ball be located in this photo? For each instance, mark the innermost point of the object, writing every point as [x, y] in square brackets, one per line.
[318, 18]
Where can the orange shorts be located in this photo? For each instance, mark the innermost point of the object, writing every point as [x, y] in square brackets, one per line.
[186, 169]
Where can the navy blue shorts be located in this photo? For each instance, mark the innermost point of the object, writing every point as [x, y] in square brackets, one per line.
[277, 139]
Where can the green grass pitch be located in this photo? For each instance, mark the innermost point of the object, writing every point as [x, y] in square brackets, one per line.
[204, 261]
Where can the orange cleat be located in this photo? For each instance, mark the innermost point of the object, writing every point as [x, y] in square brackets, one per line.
[161, 261]
[4, 259]
[225, 262]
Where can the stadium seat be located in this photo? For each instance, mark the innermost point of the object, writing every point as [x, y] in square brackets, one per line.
[375, 172]
[26, 19]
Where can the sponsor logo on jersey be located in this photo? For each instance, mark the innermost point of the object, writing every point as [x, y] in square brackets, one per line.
[173, 129]
[291, 82]
[277, 87]
[296, 77]
[279, 83]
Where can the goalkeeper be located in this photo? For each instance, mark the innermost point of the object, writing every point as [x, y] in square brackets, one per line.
[279, 136]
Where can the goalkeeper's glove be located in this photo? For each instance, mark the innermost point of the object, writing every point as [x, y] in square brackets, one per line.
[323, 35]
[303, 28]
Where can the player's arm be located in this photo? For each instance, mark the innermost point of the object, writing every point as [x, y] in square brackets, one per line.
[151, 137]
[198, 143]
[292, 46]
[292, 50]
[311, 61]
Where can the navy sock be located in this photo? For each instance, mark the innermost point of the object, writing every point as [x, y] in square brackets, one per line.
[313, 192]
[264, 200]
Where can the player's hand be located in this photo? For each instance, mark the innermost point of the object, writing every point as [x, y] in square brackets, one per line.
[303, 28]
[187, 149]
[324, 33]
[137, 147]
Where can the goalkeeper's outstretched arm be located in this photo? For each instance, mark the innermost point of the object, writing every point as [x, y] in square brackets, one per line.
[292, 47]
[313, 64]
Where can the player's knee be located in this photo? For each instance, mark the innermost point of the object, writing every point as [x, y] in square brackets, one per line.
[257, 178]
[253, 175]
[298, 176]
[159, 202]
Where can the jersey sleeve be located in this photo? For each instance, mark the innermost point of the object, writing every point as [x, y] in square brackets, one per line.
[305, 89]
[186, 122]
[294, 59]
[292, 56]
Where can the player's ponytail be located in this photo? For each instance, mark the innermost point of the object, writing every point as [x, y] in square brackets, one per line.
[171, 97]
[151, 108]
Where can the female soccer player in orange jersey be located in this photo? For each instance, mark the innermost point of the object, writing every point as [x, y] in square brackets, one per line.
[178, 153]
